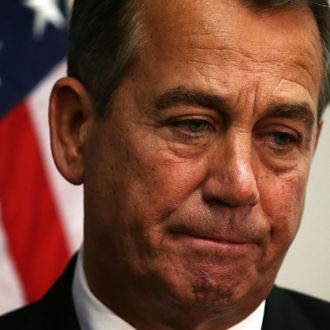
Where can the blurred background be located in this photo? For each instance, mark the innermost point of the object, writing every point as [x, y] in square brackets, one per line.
[41, 214]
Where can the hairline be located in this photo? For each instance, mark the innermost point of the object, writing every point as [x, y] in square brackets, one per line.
[129, 50]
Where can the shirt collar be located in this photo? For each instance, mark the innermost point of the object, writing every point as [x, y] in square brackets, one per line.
[253, 321]
[94, 315]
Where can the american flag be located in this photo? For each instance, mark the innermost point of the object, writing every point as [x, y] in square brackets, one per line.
[40, 213]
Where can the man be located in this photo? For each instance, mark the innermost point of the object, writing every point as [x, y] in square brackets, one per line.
[192, 125]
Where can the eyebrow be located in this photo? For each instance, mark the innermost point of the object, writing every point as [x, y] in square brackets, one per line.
[302, 112]
[182, 95]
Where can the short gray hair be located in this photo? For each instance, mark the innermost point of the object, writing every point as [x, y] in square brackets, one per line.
[103, 44]
[105, 36]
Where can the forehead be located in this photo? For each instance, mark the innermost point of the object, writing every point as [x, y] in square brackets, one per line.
[224, 35]
[182, 21]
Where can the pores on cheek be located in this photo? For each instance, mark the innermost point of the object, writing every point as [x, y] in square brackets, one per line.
[283, 202]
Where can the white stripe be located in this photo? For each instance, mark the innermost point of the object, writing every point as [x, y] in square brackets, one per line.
[69, 198]
[11, 291]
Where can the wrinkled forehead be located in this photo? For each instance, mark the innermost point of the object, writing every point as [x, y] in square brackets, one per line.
[240, 34]
[184, 17]
[254, 31]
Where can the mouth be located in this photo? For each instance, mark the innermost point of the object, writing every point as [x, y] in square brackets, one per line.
[216, 235]
[226, 245]
[211, 239]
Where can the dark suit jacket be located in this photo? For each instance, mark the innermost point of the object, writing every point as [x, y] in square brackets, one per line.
[285, 310]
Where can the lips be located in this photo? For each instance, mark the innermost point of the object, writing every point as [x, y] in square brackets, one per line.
[213, 238]
[217, 234]
[244, 225]
[205, 247]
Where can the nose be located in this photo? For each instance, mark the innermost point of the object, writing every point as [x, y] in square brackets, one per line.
[231, 178]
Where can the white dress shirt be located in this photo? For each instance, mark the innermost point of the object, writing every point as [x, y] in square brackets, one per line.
[92, 314]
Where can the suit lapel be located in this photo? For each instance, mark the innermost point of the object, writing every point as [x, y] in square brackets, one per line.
[57, 306]
[281, 312]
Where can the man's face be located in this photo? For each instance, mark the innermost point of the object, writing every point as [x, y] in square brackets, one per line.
[195, 181]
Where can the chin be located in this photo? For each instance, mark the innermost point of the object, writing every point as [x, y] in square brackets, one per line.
[213, 289]
[220, 293]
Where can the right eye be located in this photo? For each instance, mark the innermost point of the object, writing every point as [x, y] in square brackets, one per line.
[192, 125]
[191, 129]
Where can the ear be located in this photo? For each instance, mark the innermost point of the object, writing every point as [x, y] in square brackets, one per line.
[71, 112]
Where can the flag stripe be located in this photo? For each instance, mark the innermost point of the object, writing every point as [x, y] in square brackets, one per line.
[30, 217]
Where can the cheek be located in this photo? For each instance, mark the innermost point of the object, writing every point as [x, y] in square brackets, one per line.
[282, 201]
[162, 181]
[153, 186]
[146, 183]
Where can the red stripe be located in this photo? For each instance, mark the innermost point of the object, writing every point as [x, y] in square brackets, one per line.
[30, 217]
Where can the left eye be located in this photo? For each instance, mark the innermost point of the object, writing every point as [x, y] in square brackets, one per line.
[282, 139]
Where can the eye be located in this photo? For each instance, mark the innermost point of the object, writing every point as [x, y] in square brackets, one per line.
[191, 130]
[193, 125]
[283, 138]
[279, 141]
